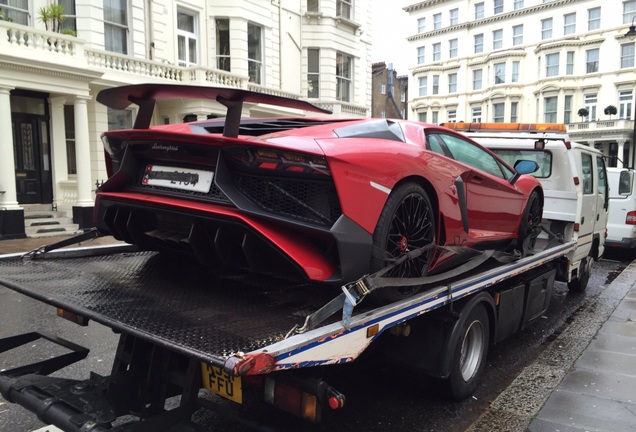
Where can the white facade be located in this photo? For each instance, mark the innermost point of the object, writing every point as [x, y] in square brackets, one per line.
[527, 61]
[314, 50]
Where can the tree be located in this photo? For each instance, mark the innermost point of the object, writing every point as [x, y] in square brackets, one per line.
[583, 112]
[610, 110]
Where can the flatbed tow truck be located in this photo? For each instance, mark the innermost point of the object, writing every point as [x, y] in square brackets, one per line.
[181, 332]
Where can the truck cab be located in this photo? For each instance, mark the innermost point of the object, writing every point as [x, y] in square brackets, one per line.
[621, 225]
[574, 181]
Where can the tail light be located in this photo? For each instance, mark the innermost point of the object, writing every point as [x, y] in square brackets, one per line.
[280, 161]
[630, 219]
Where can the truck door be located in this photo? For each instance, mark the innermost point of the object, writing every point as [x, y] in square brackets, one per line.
[589, 206]
[602, 204]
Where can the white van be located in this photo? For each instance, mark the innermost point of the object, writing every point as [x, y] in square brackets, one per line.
[574, 181]
[621, 225]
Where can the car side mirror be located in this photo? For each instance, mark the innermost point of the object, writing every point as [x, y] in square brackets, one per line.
[526, 166]
[625, 183]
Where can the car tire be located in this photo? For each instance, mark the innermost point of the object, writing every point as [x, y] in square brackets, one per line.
[579, 284]
[530, 226]
[470, 352]
[407, 222]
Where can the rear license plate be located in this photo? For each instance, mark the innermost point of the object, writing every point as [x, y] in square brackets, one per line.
[222, 383]
[178, 178]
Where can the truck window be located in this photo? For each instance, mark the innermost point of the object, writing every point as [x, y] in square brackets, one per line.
[543, 158]
[625, 183]
[586, 165]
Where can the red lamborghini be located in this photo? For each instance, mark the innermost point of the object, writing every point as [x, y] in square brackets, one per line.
[314, 199]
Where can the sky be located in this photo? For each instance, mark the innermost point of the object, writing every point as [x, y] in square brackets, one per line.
[391, 26]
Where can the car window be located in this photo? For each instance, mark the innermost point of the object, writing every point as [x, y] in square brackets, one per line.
[473, 155]
[543, 158]
[586, 165]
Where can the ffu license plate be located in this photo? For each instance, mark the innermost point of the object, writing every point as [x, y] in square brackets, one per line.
[178, 178]
[222, 383]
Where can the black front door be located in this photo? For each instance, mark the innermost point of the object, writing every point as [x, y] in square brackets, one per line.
[32, 159]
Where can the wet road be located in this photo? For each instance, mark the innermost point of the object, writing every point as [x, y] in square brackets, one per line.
[379, 397]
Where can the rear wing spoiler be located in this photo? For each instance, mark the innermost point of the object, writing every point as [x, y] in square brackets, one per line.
[146, 95]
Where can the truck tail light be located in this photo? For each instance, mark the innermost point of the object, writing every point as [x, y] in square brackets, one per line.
[630, 219]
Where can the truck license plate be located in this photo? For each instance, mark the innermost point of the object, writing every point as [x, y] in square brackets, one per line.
[222, 383]
[178, 178]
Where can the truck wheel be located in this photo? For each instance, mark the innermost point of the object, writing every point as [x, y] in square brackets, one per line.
[407, 222]
[583, 276]
[530, 226]
[469, 358]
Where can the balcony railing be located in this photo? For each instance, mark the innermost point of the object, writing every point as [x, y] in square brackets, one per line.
[601, 126]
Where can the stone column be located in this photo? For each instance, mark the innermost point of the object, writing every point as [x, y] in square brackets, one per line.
[11, 214]
[620, 163]
[83, 208]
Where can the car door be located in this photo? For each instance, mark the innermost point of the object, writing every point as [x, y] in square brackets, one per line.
[494, 205]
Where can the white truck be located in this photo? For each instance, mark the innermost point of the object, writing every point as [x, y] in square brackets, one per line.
[183, 332]
[574, 181]
[621, 226]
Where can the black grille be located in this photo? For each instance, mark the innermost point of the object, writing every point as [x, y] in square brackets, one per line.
[307, 200]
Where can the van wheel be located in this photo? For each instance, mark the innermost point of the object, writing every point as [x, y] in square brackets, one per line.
[469, 358]
[407, 222]
[530, 226]
[583, 276]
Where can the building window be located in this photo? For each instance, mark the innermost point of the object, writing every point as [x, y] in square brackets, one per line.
[500, 73]
[515, 71]
[479, 10]
[423, 86]
[567, 109]
[437, 21]
[591, 60]
[420, 55]
[625, 100]
[435, 84]
[421, 117]
[514, 112]
[569, 23]
[344, 74]
[517, 35]
[313, 6]
[69, 129]
[70, 18]
[402, 98]
[497, 39]
[437, 51]
[452, 83]
[186, 38]
[589, 102]
[477, 79]
[454, 16]
[594, 18]
[552, 65]
[498, 111]
[476, 115]
[479, 43]
[255, 53]
[627, 55]
[435, 117]
[343, 8]
[382, 88]
[223, 44]
[498, 7]
[313, 72]
[452, 115]
[629, 11]
[550, 109]
[421, 25]
[569, 63]
[382, 114]
[452, 48]
[518, 4]
[116, 26]
[16, 11]
[546, 28]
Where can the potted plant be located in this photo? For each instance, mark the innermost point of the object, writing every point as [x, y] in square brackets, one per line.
[52, 16]
[583, 112]
[610, 110]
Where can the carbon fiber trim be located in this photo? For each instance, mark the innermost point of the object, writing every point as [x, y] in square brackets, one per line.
[176, 305]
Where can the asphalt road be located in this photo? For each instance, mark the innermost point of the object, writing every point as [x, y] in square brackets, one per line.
[379, 396]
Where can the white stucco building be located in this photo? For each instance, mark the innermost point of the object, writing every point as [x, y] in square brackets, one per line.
[50, 125]
[527, 61]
